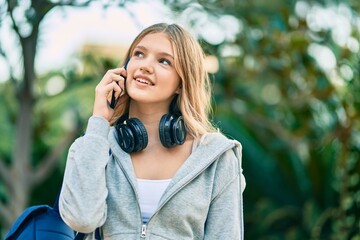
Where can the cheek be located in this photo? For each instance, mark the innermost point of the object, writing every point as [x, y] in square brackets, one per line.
[129, 74]
[172, 78]
[129, 67]
[172, 83]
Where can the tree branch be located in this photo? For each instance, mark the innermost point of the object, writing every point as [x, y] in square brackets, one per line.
[51, 159]
[5, 215]
[5, 174]
[11, 7]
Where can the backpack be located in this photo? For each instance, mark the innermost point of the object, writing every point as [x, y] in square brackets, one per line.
[43, 222]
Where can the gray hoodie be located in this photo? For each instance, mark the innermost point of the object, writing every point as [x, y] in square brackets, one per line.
[202, 201]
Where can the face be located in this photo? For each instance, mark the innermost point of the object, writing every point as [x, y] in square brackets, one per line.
[151, 74]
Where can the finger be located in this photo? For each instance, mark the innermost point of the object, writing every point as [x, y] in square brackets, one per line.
[110, 77]
[116, 88]
[118, 93]
[115, 96]
[120, 80]
[114, 92]
[105, 89]
[118, 71]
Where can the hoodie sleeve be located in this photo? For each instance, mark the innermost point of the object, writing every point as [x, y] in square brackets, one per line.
[82, 201]
[225, 216]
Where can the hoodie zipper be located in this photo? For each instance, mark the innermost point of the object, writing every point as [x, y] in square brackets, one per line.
[143, 231]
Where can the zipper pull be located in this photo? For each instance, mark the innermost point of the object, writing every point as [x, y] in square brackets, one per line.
[143, 231]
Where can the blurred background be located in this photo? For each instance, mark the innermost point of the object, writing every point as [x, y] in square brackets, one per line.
[286, 78]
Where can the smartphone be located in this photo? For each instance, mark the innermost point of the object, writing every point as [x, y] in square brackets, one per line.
[113, 99]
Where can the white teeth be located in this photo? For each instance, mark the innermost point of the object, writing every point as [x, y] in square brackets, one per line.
[143, 81]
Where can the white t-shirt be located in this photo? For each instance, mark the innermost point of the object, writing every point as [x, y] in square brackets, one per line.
[150, 192]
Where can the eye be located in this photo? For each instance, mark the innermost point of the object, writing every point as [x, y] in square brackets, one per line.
[138, 54]
[164, 61]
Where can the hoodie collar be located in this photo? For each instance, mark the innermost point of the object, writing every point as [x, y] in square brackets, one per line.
[209, 148]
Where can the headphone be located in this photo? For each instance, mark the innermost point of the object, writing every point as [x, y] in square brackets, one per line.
[132, 135]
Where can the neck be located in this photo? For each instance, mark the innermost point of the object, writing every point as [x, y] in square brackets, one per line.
[149, 115]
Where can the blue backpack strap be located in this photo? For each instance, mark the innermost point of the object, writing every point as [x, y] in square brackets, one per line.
[40, 223]
[29, 213]
[49, 220]
[43, 222]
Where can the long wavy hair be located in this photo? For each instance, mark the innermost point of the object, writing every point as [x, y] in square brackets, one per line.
[194, 100]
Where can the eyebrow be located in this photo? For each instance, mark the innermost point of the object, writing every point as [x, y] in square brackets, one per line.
[160, 53]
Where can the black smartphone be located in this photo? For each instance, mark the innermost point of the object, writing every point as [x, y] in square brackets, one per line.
[113, 99]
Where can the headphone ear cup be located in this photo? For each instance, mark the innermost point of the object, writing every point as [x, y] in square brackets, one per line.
[125, 137]
[179, 130]
[164, 131]
[132, 135]
[172, 130]
[140, 134]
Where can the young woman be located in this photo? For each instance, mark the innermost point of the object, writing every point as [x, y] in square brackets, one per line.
[154, 167]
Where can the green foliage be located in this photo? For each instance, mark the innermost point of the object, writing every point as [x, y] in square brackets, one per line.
[55, 114]
[298, 122]
[72, 106]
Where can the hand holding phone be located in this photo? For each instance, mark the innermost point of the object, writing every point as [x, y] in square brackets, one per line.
[110, 90]
[114, 99]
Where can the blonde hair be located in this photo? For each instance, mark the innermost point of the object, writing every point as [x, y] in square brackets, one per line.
[194, 100]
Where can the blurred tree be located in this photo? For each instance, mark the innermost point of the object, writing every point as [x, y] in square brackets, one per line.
[288, 90]
[37, 143]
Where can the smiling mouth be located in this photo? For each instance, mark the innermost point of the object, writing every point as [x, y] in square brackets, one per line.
[144, 81]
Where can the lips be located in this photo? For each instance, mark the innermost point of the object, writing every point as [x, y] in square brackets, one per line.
[144, 80]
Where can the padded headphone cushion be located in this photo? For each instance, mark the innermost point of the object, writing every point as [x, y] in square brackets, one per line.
[125, 138]
[131, 134]
[139, 133]
[179, 131]
[165, 130]
[172, 130]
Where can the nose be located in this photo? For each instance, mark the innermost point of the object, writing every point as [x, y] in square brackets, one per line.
[147, 65]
